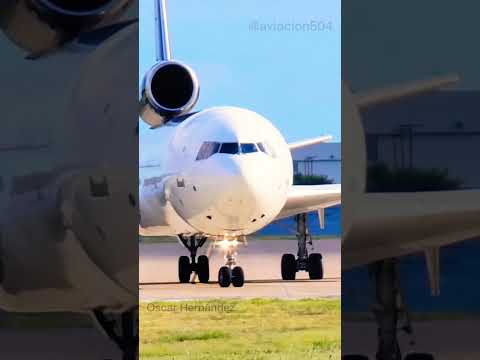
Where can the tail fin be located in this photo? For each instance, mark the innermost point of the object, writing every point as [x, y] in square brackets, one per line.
[162, 36]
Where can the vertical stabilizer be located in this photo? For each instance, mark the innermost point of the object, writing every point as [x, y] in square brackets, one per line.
[161, 27]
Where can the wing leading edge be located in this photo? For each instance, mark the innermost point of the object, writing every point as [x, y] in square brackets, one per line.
[306, 198]
[309, 142]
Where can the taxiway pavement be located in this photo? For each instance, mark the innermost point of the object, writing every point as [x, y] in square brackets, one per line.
[260, 261]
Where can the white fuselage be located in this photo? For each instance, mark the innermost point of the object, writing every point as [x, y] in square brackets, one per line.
[226, 171]
[49, 263]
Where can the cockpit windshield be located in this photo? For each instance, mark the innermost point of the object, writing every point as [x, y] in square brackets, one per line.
[248, 148]
[229, 148]
[210, 148]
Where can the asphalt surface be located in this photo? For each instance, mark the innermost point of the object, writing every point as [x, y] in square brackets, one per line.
[455, 339]
[56, 344]
[260, 261]
[158, 268]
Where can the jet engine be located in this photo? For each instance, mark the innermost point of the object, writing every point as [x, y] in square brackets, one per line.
[39, 26]
[169, 89]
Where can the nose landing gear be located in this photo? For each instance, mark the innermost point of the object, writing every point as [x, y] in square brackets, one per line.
[230, 273]
[227, 276]
[304, 261]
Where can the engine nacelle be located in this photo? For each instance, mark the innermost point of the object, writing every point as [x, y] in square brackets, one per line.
[169, 89]
[39, 26]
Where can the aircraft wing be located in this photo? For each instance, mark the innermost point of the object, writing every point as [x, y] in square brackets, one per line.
[406, 223]
[306, 198]
[309, 142]
[155, 231]
[378, 96]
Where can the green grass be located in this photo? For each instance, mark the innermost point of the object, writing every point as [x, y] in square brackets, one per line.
[260, 329]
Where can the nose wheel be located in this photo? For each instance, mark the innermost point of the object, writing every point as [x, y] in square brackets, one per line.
[230, 273]
[224, 276]
[312, 263]
[227, 276]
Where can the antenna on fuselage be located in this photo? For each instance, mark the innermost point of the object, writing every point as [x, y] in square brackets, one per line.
[162, 37]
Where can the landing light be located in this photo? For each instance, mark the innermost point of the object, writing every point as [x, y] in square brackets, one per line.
[225, 244]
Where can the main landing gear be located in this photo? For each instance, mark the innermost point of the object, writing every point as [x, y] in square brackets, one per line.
[121, 329]
[388, 309]
[186, 265]
[230, 273]
[304, 261]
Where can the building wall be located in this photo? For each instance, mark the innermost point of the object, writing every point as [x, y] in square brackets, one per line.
[458, 154]
[319, 159]
[439, 130]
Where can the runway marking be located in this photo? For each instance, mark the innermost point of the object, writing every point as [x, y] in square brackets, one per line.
[262, 281]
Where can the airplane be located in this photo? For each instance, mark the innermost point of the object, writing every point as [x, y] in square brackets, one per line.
[378, 228]
[227, 172]
[69, 162]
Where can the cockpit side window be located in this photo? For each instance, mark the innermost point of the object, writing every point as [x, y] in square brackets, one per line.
[261, 147]
[270, 149]
[229, 148]
[248, 148]
[266, 148]
[207, 149]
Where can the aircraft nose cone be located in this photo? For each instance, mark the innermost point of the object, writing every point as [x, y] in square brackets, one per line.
[237, 189]
[235, 194]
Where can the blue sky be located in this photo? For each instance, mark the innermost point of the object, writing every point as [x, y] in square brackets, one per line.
[292, 77]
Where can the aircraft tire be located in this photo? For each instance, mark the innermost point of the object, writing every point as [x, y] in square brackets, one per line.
[289, 267]
[315, 266]
[224, 276]
[203, 269]
[238, 277]
[184, 269]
